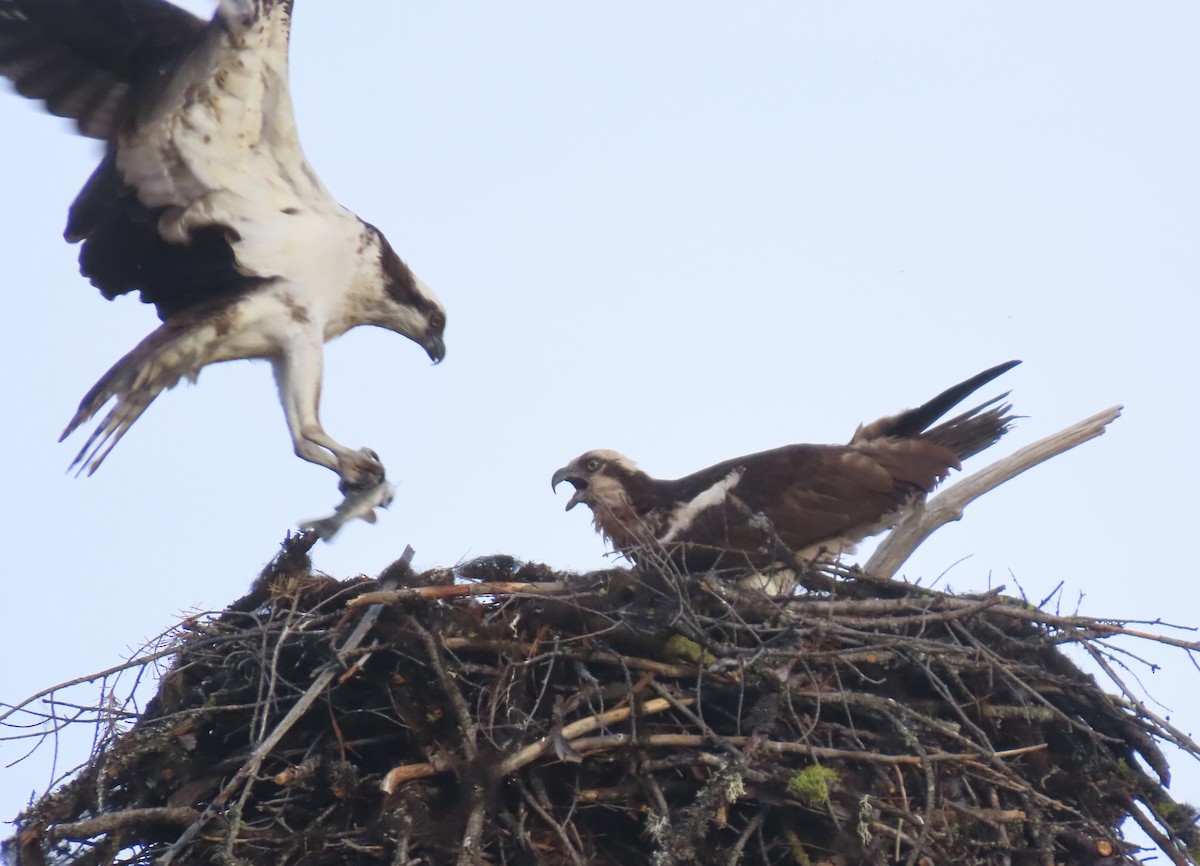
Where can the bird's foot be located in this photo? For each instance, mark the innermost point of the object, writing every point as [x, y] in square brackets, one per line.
[362, 470]
[360, 503]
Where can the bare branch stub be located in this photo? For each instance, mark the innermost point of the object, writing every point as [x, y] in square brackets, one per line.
[623, 718]
[947, 507]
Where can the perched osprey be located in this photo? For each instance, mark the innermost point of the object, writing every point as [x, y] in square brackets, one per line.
[788, 506]
[205, 204]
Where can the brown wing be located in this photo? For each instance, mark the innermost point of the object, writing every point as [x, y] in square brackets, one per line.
[811, 495]
[95, 61]
[825, 493]
[84, 57]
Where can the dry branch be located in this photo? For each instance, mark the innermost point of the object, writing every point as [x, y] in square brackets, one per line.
[947, 506]
[569, 734]
[130, 818]
[457, 590]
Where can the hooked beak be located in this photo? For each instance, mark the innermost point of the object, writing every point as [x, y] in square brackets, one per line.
[435, 347]
[580, 484]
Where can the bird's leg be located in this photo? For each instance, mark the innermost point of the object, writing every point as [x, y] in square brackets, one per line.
[298, 376]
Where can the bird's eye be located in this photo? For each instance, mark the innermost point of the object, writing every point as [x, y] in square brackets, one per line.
[437, 321]
[593, 464]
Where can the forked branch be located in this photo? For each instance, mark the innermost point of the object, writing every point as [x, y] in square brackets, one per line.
[922, 521]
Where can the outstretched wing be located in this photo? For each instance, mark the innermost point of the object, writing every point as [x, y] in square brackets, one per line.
[84, 58]
[204, 187]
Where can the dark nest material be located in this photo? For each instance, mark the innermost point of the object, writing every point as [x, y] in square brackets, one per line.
[504, 713]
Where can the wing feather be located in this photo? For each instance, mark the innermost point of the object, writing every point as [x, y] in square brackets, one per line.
[83, 58]
[810, 494]
[202, 148]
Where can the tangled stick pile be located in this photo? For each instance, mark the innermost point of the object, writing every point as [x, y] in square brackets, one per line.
[516, 715]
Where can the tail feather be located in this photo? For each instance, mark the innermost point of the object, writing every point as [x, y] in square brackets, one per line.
[108, 433]
[913, 422]
[134, 381]
[976, 429]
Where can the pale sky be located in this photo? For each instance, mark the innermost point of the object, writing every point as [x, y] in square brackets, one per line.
[683, 230]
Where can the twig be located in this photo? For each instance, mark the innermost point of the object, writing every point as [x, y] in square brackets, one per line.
[392, 596]
[109, 821]
[712, 735]
[990, 816]
[1164, 842]
[87, 678]
[946, 507]
[1092, 628]
[542, 810]
[250, 769]
[614, 741]
[582, 726]
[735, 852]
[470, 729]
[470, 852]
[528, 650]
[527, 754]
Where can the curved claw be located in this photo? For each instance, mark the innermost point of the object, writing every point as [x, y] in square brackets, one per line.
[362, 471]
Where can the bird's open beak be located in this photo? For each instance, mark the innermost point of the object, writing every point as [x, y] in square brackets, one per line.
[435, 347]
[580, 484]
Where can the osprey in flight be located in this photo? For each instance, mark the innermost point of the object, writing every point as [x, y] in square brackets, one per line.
[789, 506]
[205, 204]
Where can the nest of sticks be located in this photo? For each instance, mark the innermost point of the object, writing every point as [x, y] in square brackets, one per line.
[504, 713]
